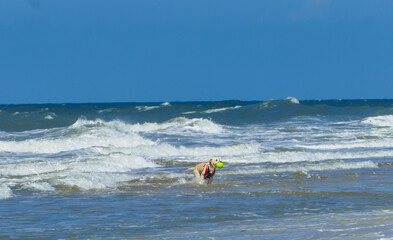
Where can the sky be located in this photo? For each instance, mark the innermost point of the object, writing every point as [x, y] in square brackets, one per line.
[77, 51]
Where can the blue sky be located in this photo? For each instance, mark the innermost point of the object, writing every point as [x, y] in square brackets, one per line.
[179, 50]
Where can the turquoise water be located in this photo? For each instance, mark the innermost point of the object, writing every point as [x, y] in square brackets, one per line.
[292, 169]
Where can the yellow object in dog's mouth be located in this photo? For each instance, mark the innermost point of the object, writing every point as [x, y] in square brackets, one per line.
[219, 164]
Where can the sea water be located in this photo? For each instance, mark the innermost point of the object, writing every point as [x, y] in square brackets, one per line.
[292, 170]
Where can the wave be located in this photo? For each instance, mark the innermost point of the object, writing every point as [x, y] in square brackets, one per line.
[196, 154]
[380, 121]
[220, 109]
[5, 192]
[28, 117]
[322, 166]
[126, 146]
[115, 162]
[289, 108]
[83, 172]
[166, 104]
[360, 144]
[85, 140]
[146, 108]
[302, 156]
[83, 177]
[293, 100]
[85, 134]
[50, 116]
[106, 110]
[178, 124]
[106, 137]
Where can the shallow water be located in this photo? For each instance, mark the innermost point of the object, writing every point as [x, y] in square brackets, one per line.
[291, 170]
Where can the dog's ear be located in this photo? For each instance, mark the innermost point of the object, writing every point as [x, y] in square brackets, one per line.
[211, 161]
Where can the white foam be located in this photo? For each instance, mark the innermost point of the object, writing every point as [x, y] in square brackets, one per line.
[386, 143]
[50, 116]
[190, 112]
[5, 191]
[290, 157]
[90, 181]
[90, 134]
[85, 172]
[165, 150]
[146, 108]
[306, 168]
[381, 121]
[202, 125]
[26, 168]
[179, 124]
[293, 100]
[167, 104]
[40, 186]
[115, 162]
[220, 109]
[106, 110]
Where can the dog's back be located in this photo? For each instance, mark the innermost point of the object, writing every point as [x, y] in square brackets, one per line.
[198, 167]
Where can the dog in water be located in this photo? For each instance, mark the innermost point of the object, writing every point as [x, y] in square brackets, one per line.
[205, 171]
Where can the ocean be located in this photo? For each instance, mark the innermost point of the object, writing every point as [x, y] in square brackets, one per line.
[292, 170]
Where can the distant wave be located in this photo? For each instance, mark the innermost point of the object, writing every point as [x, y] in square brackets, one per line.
[179, 124]
[50, 116]
[293, 100]
[220, 109]
[146, 108]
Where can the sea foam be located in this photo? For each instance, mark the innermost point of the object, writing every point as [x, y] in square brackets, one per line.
[88, 134]
[214, 110]
[327, 166]
[5, 192]
[292, 100]
[381, 121]
[179, 124]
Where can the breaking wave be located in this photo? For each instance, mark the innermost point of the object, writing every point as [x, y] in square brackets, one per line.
[179, 124]
[5, 191]
[381, 121]
[323, 166]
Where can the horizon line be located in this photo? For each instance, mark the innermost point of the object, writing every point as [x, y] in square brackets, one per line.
[199, 101]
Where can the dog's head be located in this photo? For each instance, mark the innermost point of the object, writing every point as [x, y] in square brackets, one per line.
[214, 161]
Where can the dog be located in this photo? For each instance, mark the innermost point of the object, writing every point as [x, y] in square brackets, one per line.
[205, 171]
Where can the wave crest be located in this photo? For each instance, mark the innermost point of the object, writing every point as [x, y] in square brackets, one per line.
[381, 121]
[5, 192]
[179, 124]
